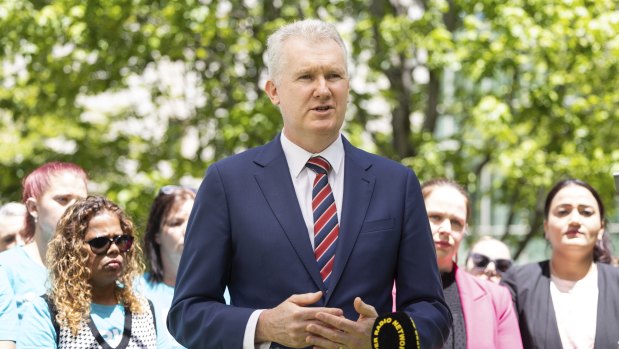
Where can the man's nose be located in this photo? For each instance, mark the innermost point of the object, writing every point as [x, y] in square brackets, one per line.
[322, 87]
[490, 268]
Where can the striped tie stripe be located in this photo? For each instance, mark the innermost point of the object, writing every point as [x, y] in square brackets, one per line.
[325, 218]
[328, 242]
[326, 226]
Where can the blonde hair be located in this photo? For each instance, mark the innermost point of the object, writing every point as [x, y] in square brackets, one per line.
[67, 258]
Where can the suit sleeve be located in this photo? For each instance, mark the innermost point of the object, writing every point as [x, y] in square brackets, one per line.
[418, 283]
[199, 317]
[508, 280]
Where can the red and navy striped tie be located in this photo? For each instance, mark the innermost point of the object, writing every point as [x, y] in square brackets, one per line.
[326, 226]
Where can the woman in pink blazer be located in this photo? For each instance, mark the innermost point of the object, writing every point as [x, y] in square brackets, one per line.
[483, 313]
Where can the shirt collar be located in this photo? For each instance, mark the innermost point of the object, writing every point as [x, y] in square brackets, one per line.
[297, 157]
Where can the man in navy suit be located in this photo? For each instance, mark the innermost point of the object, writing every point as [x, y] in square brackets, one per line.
[255, 229]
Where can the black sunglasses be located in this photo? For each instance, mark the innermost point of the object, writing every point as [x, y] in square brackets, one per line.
[481, 262]
[101, 244]
[169, 189]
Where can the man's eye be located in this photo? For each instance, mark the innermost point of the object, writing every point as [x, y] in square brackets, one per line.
[9, 239]
[334, 76]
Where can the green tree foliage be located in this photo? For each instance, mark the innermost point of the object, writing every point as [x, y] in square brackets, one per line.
[146, 93]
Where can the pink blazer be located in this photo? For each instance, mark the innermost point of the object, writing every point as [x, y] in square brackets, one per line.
[489, 315]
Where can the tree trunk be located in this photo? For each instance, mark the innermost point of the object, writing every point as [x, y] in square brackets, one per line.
[434, 86]
[535, 223]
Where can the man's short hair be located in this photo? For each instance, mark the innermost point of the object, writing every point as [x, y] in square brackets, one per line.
[13, 209]
[308, 29]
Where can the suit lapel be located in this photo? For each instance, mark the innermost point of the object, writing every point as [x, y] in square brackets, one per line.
[607, 311]
[470, 294]
[276, 185]
[358, 188]
[551, 332]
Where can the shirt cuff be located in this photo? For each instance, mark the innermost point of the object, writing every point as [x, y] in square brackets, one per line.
[250, 333]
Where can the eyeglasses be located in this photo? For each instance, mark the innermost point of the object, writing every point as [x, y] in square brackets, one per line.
[481, 262]
[101, 244]
[169, 189]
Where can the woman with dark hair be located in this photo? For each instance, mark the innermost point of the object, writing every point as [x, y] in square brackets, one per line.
[91, 302]
[47, 192]
[571, 300]
[163, 243]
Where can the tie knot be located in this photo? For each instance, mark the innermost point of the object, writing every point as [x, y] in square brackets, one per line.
[318, 164]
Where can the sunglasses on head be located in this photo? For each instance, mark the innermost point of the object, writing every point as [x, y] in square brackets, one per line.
[101, 244]
[481, 262]
[169, 189]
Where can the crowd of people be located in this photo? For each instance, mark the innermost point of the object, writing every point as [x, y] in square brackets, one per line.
[302, 242]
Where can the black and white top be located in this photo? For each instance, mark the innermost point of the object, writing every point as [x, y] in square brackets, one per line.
[139, 332]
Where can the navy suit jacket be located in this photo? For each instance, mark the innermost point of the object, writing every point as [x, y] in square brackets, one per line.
[246, 231]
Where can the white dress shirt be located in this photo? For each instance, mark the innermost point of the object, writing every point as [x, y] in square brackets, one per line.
[303, 181]
[576, 304]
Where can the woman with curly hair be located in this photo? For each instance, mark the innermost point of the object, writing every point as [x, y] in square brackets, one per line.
[91, 303]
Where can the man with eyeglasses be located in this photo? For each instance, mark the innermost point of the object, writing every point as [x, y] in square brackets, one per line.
[488, 259]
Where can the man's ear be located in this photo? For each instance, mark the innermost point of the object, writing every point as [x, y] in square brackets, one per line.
[271, 91]
[33, 209]
[545, 229]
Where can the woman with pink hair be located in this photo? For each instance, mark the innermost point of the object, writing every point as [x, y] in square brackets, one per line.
[47, 192]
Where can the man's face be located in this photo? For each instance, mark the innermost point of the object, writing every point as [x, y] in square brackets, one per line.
[9, 231]
[311, 91]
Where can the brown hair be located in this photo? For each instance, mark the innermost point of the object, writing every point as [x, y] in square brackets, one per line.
[165, 200]
[428, 187]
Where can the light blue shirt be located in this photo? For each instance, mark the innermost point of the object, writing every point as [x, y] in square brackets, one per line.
[27, 279]
[161, 295]
[108, 319]
[8, 311]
